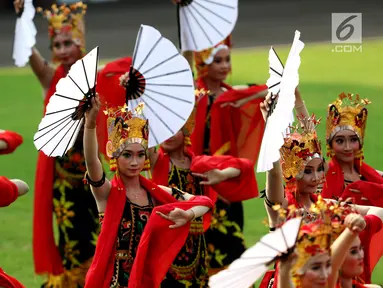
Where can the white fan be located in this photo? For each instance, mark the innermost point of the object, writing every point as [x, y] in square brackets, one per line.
[203, 24]
[246, 270]
[65, 111]
[161, 78]
[25, 35]
[278, 122]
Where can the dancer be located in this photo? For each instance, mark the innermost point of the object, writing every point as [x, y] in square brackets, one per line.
[59, 187]
[125, 254]
[349, 175]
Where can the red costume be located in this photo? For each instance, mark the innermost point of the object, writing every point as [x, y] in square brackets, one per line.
[158, 246]
[12, 139]
[7, 281]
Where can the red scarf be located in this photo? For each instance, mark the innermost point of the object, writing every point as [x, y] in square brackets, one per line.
[46, 255]
[158, 246]
[110, 92]
[12, 139]
[370, 188]
[241, 127]
[7, 281]
[8, 192]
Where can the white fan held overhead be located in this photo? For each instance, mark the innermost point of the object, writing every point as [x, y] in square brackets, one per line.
[280, 119]
[161, 78]
[202, 24]
[246, 270]
[25, 34]
[65, 112]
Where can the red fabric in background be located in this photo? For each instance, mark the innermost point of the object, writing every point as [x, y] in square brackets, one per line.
[13, 141]
[8, 192]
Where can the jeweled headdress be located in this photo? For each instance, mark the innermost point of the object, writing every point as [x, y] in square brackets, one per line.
[300, 146]
[67, 18]
[124, 128]
[348, 112]
[188, 128]
[204, 58]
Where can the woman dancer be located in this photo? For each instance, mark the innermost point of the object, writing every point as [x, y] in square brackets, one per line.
[349, 175]
[125, 204]
[59, 187]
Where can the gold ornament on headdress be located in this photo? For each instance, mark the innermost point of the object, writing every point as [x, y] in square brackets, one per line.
[348, 112]
[201, 57]
[188, 128]
[125, 128]
[300, 146]
[67, 18]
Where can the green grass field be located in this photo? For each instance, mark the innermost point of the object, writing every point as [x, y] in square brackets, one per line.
[324, 75]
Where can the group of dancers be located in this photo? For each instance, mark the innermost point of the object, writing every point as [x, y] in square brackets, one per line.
[183, 224]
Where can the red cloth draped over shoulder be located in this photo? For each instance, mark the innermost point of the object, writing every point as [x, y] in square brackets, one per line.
[8, 192]
[7, 281]
[110, 92]
[46, 256]
[13, 141]
[370, 188]
[241, 127]
[371, 238]
[158, 246]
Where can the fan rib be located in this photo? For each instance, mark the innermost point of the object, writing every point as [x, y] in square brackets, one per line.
[54, 135]
[86, 76]
[168, 74]
[150, 53]
[220, 4]
[219, 16]
[162, 105]
[208, 22]
[59, 111]
[70, 140]
[58, 125]
[276, 84]
[159, 118]
[83, 93]
[172, 85]
[169, 96]
[271, 247]
[203, 30]
[137, 46]
[276, 72]
[50, 154]
[62, 119]
[188, 27]
[66, 97]
[161, 63]
[278, 57]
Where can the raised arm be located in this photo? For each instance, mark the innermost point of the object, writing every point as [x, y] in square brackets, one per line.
[40, 67]
[100, 186]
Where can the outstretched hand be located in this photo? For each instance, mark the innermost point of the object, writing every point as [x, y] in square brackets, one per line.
[212, 177]
[178, 216]
[18, 4]
[355, 222]
[91, 113]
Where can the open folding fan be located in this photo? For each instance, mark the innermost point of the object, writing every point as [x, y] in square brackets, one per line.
[65, 111]
[25, 34]
[244, 271]
[279, 120]
[161, 78]
[204, 23]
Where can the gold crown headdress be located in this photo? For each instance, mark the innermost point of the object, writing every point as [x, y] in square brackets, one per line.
[67, 18]
[125, 128]
[202, 57]
[188, 128]
[346, 113]
[300, 146]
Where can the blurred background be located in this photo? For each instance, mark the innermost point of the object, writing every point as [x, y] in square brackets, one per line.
[113, 25]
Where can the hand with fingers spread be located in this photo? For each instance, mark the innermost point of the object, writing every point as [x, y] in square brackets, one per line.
[355, 222]
[91, 113]
[18, 4]
[212, 177]
[265, 105]
[178, 216]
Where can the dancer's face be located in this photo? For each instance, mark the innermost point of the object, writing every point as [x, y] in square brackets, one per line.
[174, 143]
[313, 175]
[353, 264]
[131, 162]
[221, 66]
[345, 145]
[64, 49]
[317, 271]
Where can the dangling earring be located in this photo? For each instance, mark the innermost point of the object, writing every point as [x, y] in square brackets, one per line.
[146, 165]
